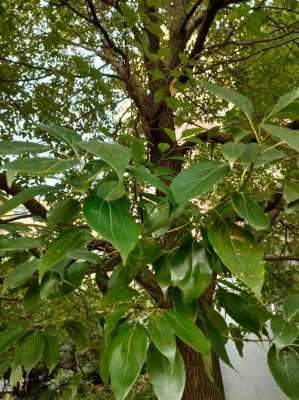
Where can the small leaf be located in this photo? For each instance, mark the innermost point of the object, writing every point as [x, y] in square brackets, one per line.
[199, 276]
[189, 333]
[114, 154]
[283, 102]
[63, 245]
[51, 352]
[237, 99]
[144, 175]
[217, 342]
[167, 383]
[285, 332]
[77, 332]
[250, 210]
[127, 358]
[113, 222]
[8, 147]
[18, 244]
[10, 335]
[20, 275]
[268, 156]
[118, 294]
[15, 375]
[22, 197]
[162, 272]
[291, 308]
[163, 147]
[163, 338]
[63, 212]
[284, 366]
[171, 134]
[232, 151]
[85, 255]
[32, 350]
[290, 192]
[198, 179]
[239, 254]
[39, 166]
[289, 136]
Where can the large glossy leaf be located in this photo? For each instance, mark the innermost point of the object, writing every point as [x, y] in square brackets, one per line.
[22, 197]
[199, 276]
[239, 254]
[167, 383]
[113, 222]
[250, 210]
[10, 335]
[197, 179]
[22, 272]
[67, 135]
[282, 103]
[284, 366]
[180, 263]
[64, 244]
[18, 244]
[237, 99]
[161, 334]
[127, 358]
[189, 333]
[8, 147]
[232, 151]
[114, 154]
[32, 350]
[238, 309]
[40, 166]
[291, 308]
[289, 136]
[51, 351]
[285, 332]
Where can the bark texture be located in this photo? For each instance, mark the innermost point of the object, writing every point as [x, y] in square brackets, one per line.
[198, 385]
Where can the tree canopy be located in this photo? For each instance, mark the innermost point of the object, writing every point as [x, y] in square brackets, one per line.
[149, 188]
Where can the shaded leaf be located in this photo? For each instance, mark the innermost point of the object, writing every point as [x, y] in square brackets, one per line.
[283, 102]
[250, 210]
[8, 147]
[32, 350]
[291, 308]
[20, 275]
[232, 151]
[289, 136]
[40, 166]
[77, 332]
[285, 332]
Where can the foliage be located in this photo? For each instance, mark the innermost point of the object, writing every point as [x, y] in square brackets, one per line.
[149, 185]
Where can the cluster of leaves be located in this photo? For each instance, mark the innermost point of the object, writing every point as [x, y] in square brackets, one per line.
[109, 219]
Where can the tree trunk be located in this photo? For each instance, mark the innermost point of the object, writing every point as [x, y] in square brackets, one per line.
[198, 385]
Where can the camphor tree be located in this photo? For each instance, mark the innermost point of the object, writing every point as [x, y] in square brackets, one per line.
[138, 179]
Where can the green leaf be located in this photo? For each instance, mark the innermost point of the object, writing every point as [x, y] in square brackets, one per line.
[114, 154]
[167, 383]
[51, 352]
[162, 272]
[32, 350]
[63, 212]
[284, 366]
[18, 244]
[113, 222]
[198, 179]
[237, 99]
[31, 299]
[291, 192]
[289, 136]
[66, 243]
[40, 166]
[20, 275]
[77, 332]
[127, 358]
[22, 197]
[232, 151]
[67, 135]
[112, 320]
[85, 255]
[111, 190]
[217, 341]
[50, 285]
[129, 14]
[190, 310]
[8, 147]
[239, 254]
[15, 375]
[144, 175]
[283, 102]
[189, 333]
[171, 134]
[285, 332]
[291, 308]
[268, 156]
[10, 335]
[239, 310]
[199, 276]
[180, 264]
[163, 338]
[118, 294]
[238, 339]
[250, 210]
